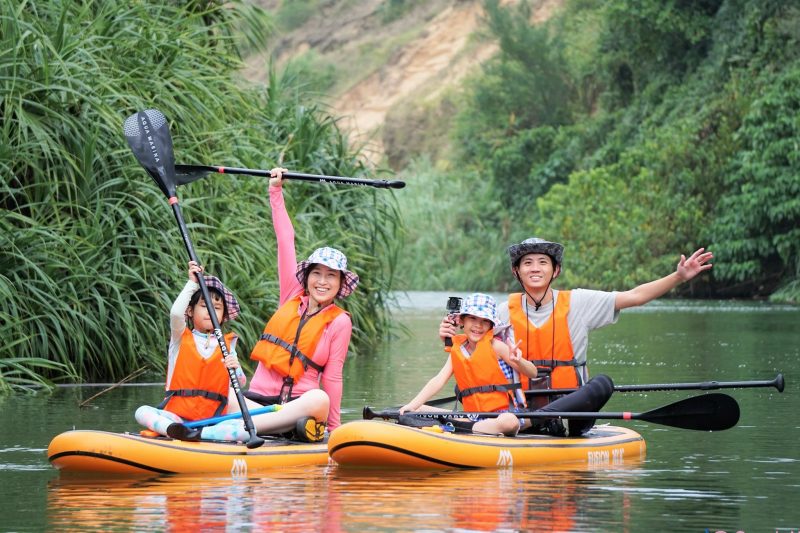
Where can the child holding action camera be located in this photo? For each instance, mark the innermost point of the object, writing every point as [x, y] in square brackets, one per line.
[483, 367]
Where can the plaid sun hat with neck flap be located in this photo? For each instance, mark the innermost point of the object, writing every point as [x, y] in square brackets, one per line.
[231, 304]
[331, 258]
[481, 306]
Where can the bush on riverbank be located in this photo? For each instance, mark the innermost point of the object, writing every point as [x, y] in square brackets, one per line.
[90, 255]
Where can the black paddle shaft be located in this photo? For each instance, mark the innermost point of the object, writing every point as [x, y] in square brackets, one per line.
[223, 346]
[779, 383]
[255, 441]
[189, 173]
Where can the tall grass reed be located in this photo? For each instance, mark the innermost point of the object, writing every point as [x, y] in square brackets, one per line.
[90, 255]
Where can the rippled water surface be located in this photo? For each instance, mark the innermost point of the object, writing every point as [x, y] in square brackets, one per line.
[743, 479]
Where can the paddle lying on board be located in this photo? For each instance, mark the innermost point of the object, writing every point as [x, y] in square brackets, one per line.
[147, 133]
[189, 173]
[778, 383]
[707, 412]
[217, 419]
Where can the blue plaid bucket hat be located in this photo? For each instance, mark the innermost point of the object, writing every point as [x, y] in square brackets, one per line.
[331, 258]
[231, 304]
[481, 306]
[535, 245]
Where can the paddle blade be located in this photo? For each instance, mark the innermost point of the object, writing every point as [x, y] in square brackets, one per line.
[147, 133]
[368, 414]
[188, 173]
[708, 412]
[779, 383]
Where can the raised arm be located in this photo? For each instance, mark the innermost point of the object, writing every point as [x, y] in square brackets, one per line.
[177, 314]
[686, 270]
[284, 232]
[177, 317]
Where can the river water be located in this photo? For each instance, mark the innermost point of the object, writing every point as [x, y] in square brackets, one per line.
[743, 479]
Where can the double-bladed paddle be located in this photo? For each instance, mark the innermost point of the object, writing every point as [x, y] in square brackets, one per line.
[147, 133]
[707, 412]
[189, 173]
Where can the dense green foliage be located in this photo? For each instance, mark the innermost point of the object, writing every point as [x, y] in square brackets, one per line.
[635, 131]
[90, 255]
[455, 210]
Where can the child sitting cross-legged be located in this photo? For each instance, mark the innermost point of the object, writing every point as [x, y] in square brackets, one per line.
[198, 382]
[483, 367]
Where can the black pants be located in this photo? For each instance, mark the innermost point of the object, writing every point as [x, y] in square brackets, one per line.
[589, 398]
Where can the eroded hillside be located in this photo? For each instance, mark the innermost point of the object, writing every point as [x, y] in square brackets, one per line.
[390, 67]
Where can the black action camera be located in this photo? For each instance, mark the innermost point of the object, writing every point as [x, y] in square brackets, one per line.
[453, 308]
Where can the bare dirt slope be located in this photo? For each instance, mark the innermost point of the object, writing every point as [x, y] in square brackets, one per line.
[381, 65]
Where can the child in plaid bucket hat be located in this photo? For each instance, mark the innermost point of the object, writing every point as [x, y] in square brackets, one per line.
[480, 306]
[484, 368]
[196, 388]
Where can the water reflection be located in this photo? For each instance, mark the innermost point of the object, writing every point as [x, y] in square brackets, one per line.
[334, 499]
[287, 500]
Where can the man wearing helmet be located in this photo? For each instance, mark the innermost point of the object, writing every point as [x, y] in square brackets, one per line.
[482, 366]
[552, 327]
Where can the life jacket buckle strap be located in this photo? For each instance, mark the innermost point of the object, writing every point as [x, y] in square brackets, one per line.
[503, 387]
[292, 349]
[286, 389]
[552, 363]
[184, 393]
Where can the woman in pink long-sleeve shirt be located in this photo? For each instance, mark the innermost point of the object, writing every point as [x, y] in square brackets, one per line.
[307, 338]
[316, 282]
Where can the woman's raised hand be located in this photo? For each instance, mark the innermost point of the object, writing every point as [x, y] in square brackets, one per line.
[276, 177]
[694, 264]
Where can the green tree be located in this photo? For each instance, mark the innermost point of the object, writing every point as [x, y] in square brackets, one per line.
[756, 226]
[647, 41]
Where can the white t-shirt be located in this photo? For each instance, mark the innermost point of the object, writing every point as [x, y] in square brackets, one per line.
[588, 310]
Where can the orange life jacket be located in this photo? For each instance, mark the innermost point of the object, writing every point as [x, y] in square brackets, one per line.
[199, 386]
[285, 334]
[482, 386]
[556, 508]
[480, 509]
[543, 346]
